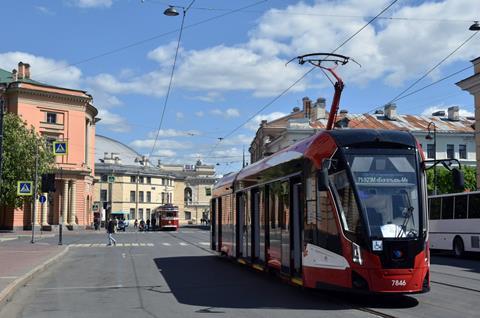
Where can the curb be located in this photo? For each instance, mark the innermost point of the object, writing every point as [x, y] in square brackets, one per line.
[7, 294]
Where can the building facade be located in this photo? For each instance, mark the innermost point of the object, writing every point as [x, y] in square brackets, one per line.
[58, 114]
[472, 85]
[454, 135]
[136, 187]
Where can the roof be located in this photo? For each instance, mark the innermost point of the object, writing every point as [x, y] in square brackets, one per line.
[7, 78]
[105, 144]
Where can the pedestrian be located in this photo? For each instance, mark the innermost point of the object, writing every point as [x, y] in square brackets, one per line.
[142, 225]
[96, 224]
[148, 224]
[110, 231]
[154, 222]
[135, 224]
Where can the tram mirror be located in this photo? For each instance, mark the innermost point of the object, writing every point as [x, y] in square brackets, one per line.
[322, 175]
[458, 179]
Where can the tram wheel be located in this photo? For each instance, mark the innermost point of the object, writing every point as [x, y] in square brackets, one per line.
[458, 247]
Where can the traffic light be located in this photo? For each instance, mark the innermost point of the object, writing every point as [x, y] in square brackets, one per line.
[48, 182]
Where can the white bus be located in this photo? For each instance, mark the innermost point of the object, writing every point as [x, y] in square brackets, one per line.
[455, 222]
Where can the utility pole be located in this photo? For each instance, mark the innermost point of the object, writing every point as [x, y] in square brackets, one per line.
[35, 190]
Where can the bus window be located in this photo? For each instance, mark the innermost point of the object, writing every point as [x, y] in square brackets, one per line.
[435, 208]
[447, 208]
[460, 207]
[474, 206]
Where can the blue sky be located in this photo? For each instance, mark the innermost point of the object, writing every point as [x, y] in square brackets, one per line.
[230, 66]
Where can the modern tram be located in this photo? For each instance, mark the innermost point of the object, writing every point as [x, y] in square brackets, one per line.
[167, 216]
[343, 209]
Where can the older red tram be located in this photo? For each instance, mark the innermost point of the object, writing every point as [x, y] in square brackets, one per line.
[343, 209]
[167, 216]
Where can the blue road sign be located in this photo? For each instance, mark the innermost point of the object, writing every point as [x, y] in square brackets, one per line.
[42, 199]
[24, 188]
[60, 148]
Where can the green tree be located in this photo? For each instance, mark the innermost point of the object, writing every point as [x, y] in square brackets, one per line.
[19, 159]
[445, 181]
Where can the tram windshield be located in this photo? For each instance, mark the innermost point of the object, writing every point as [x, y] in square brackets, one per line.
[388, 190]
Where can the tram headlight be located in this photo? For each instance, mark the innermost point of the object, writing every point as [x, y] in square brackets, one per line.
[356, 254]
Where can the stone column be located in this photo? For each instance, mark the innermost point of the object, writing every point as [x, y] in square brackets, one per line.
[73, 202]
[44, 220]
[64, 211]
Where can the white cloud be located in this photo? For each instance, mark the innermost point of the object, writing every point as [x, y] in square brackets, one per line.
[210, 97]
[43, 69]
[113, 121]
[164, 54]
[174, 133]
[462, 112]
[92, 3]
[161, 144]
[255, 122]
[199, 114]
[228, 113]
[44, 10]
[165, 153]
[179, 115]
[237, 140]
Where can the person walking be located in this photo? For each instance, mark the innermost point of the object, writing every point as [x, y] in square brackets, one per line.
[135, 224]
[142, 225]
[110, 231]
[148, 224]
[154, 223]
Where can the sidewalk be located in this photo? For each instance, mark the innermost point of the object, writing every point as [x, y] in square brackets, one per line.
[20, 261]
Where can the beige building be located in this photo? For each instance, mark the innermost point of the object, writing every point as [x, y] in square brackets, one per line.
[127, 183]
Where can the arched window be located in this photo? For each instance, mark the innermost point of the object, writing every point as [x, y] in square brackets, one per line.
[187, 193]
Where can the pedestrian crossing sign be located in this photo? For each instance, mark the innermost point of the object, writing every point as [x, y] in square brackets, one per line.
[24, 188]
[60, 148]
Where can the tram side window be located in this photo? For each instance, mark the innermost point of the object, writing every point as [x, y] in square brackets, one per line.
[435, 208]
[447, 208]
[327, 232]
[461, 207]
[350, 214]
[474, 206]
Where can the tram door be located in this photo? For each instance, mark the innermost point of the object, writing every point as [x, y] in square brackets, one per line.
[213, 218]
[296, 231]
[219, 224]
[284, 217]
[241, 226]
[255, 218]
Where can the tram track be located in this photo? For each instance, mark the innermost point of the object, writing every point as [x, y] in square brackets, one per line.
[456, 286]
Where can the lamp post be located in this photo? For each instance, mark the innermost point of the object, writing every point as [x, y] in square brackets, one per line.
[429, 137]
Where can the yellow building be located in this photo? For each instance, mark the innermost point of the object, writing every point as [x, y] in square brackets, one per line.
[125, 182]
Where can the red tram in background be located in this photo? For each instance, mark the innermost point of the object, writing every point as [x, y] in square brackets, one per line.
[344, 209]
[167, 216]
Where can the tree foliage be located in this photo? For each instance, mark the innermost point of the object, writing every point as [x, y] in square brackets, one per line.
[19, 159]
[445, 181]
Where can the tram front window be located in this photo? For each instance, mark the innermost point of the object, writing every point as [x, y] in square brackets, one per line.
[387, 189]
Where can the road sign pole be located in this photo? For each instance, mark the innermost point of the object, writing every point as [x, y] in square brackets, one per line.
[35, 186]
[60, 242]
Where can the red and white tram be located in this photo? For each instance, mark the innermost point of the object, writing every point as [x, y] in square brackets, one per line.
[343, 209]
[167, 216]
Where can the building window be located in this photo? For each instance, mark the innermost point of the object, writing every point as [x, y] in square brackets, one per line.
[132, 196]
[188, 196]
[140, 196]
[450, 151]
[104, 178]
[132, 214]
[149, 180]
[208, 191]
[132, 179]
[188, 215]
[140, 179]
[163, 197]
[163, 181]
[149, 196]
[462, 151]
[169, 197]
[148, 214]
[430, 151]
[103, 195]
[51, 118]
[140, 213]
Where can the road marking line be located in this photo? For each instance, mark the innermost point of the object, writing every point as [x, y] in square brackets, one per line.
[205, 243]
[127, 244]
[134, 244]
[183, 244]
[143, 244]
[150, 244]
[166, 244]
[120, 244]
[9, 277]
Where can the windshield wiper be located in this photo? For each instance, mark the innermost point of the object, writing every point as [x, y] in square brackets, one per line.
[407, 214]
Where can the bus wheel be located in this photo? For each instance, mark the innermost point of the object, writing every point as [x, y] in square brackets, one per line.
[458, 247]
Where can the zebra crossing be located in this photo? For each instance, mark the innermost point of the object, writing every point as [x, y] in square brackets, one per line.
[139, 244]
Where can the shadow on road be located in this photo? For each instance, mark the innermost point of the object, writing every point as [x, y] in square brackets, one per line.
[470, 262]
[212, 282]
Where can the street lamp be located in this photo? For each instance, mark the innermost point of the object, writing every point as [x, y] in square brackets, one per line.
[475, 26]
[429, 137]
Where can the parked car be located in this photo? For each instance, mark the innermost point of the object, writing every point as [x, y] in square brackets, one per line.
[122, 225]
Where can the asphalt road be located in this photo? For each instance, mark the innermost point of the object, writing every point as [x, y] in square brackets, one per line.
[174, 274]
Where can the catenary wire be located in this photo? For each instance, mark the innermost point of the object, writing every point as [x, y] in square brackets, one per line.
[301, 78]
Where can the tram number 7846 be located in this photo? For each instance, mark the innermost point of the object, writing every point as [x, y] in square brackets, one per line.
[398, 282]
